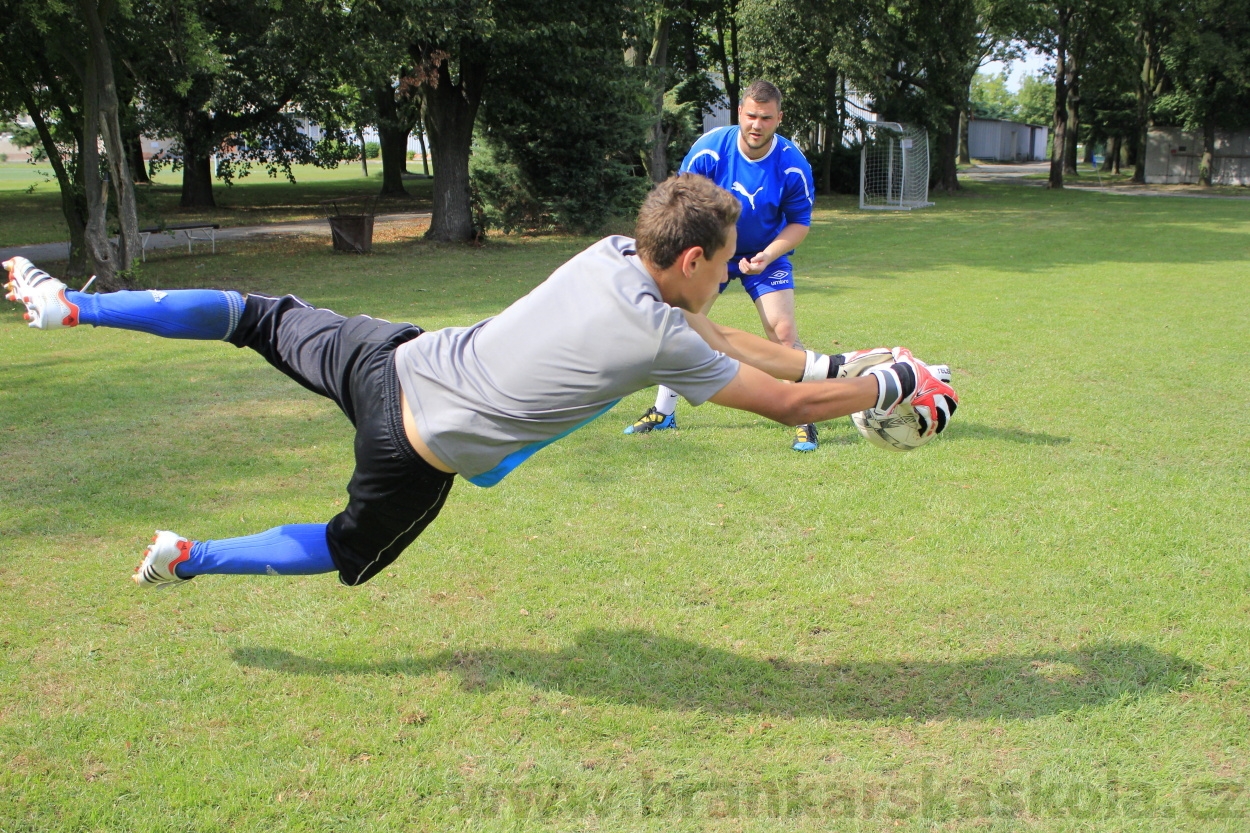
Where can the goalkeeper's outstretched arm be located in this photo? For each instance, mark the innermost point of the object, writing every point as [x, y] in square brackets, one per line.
[781, 362]
[755, 391]
[776, 360]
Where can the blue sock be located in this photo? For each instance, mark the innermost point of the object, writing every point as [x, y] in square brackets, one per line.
[292, 550]
[176, 313]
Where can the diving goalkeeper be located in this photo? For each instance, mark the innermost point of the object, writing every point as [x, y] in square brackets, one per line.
[478, 401]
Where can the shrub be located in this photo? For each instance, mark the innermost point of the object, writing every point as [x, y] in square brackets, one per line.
[537, 171]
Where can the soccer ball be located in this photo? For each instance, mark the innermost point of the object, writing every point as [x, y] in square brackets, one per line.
[897, 431]
[900, 430]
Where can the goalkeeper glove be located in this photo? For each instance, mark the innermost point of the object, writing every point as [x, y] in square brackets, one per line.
[843, 365]
[909, 381]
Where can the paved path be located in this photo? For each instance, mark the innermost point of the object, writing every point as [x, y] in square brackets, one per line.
[320, 228]
[1088, 181]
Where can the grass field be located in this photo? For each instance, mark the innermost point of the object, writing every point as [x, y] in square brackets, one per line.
[30, 202]
[1040, 622]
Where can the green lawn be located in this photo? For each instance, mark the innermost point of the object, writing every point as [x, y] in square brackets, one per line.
[30, 202]
[1041, 621]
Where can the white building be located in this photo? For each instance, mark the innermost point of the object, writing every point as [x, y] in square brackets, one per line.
[10, 151]
[996, 140]
[1173, 157]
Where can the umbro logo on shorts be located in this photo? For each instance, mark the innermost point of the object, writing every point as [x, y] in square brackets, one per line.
[778, 276]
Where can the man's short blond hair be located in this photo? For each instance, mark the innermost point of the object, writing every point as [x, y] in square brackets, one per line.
[684, 211]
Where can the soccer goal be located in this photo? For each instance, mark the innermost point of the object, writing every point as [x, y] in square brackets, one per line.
[894, 166]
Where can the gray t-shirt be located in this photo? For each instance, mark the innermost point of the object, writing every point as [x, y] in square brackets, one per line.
[488, 396]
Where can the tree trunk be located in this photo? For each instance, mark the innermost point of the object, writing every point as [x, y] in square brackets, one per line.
[727, 26]
[1088, 156]
[104, 96]
[1147, 88]
[947, 178]
[1111, 157]
[1206, 167]
[393, 137]
[96, 237]
[1119, 153]
[833, 129]
[657, 69]
[364, 157]
[1074, 120]
[964, 157]
[425, 156]
[450, 112]
[1061, 107]
[197, 181]
[197, 160]
[138, 165]
[394, 144]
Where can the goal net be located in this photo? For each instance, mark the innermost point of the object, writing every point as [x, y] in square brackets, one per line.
[894, 166]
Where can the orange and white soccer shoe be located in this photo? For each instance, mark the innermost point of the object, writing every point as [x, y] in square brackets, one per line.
[47, 308]
[166, 552]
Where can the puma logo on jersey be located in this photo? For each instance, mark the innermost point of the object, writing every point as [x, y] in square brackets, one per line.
[741, 189]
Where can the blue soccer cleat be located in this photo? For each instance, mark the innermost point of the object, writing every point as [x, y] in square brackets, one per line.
[805, 438]
[652, 420]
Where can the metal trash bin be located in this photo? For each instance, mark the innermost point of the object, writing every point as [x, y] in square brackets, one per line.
[351, 223]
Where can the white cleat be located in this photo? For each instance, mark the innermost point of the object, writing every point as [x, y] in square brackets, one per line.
[166, 552]
[47, 308]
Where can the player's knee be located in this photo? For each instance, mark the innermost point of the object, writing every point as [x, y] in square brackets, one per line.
[784, 332]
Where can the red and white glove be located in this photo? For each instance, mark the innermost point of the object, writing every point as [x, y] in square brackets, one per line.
[844, 365]
[909, 381]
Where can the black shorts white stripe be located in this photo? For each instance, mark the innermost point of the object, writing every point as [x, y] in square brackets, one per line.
[393, 494]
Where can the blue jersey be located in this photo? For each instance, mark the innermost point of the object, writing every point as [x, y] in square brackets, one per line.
[775, 190]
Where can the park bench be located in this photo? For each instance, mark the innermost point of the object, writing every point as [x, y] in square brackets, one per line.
[192, 231]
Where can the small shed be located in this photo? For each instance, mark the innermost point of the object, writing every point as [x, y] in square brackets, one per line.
[998, 140]
[1173, 157]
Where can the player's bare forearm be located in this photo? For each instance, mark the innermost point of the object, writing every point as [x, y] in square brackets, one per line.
[789, 238]
[774, 359]
[753, 390]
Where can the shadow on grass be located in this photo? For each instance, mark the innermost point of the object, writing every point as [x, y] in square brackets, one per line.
[976, 431]
[641, 668]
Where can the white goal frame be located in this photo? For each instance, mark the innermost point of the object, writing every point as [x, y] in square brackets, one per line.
[894, 167]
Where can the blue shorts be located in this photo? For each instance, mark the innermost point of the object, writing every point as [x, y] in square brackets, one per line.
[778, 276]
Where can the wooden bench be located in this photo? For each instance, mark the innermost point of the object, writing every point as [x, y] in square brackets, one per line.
[206, 232]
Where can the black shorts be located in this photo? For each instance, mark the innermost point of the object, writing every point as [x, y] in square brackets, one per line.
[393, 494]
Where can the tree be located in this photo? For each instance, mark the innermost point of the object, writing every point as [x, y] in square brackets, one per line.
[931, 51]
[448, 52]
[37, 81]
[460, 54]
[563, 135]
[395, 112]
[804, 46]
[59, 69]
[102, 117]
[240, 81]
[1208, 61]
[990, 98]
[1073, 32]
[1035, 100]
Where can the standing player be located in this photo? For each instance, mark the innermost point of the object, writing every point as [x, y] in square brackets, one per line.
[773, 182]
[478, 401]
